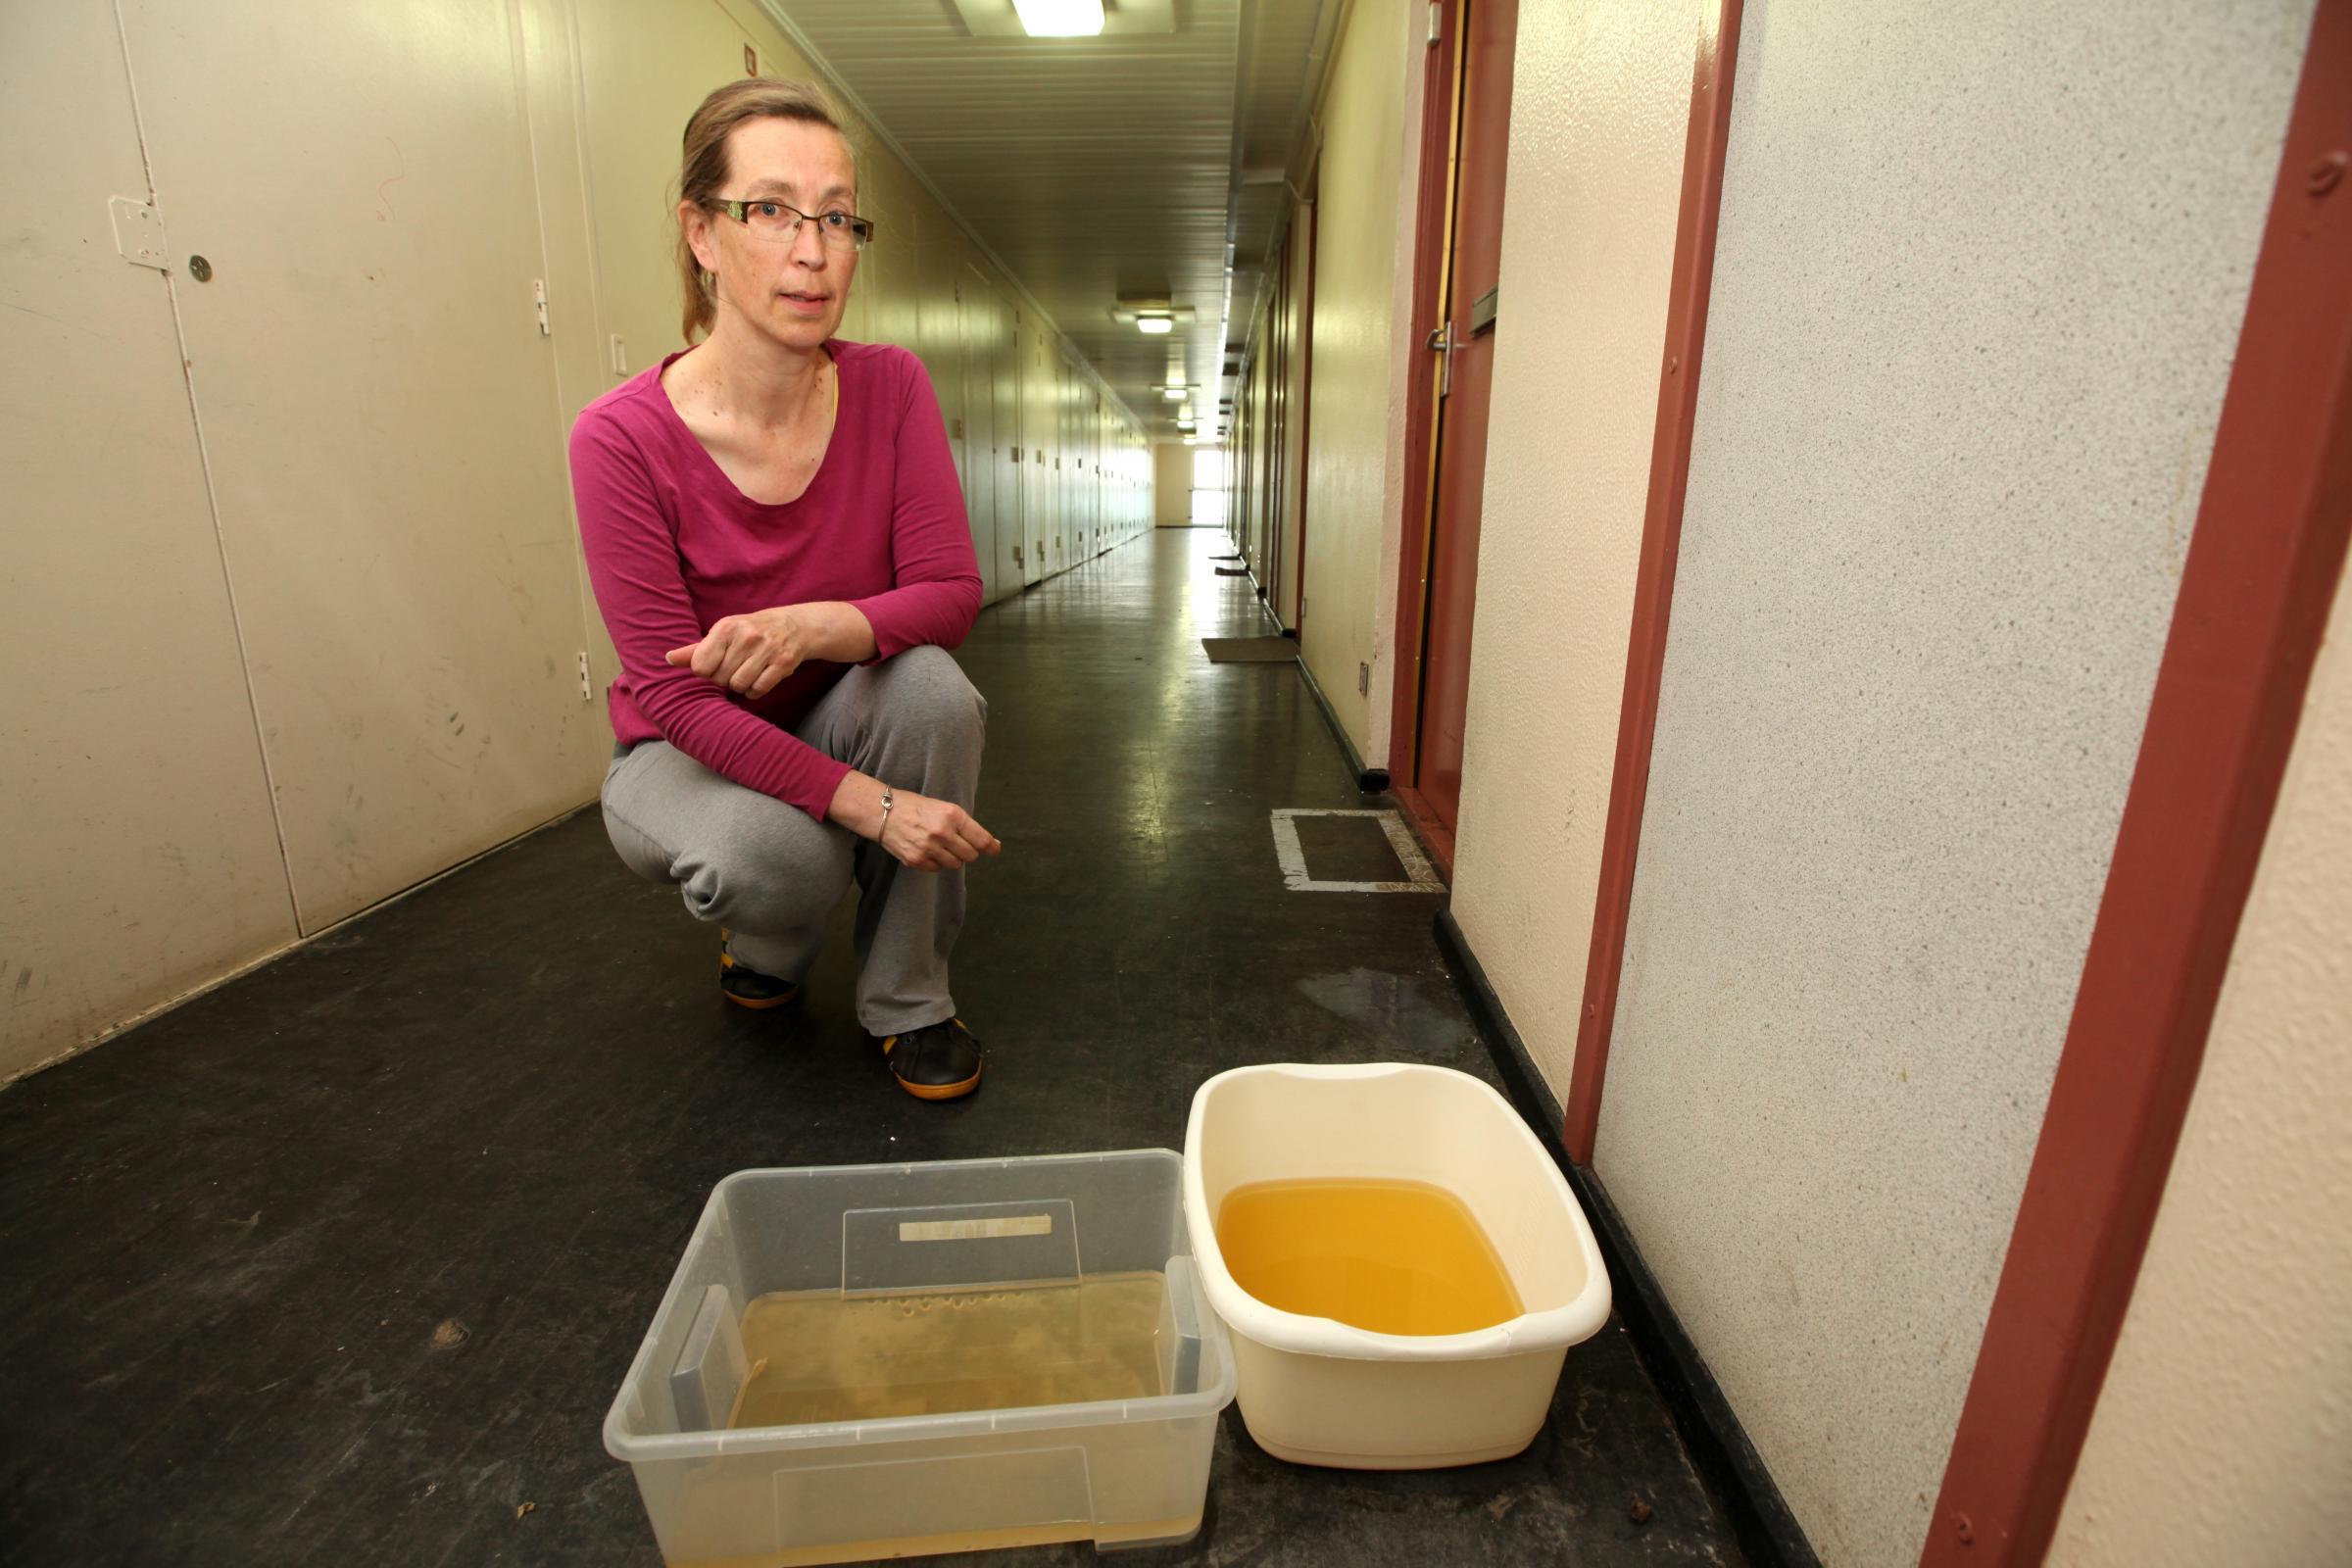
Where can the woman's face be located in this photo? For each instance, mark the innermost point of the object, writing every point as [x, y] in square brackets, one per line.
[793, 291]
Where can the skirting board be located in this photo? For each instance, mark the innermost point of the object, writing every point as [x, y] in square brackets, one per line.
[1768, 1533]
[1369, 780]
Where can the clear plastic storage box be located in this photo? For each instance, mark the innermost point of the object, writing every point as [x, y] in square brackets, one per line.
[899, 1240]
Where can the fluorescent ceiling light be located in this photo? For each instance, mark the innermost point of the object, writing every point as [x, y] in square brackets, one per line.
[996, 19]
[1131, 310]
[1174, 394]
[1060, 19]
[1154, 325]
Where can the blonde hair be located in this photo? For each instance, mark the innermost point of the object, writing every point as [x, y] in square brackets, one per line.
[703, 169]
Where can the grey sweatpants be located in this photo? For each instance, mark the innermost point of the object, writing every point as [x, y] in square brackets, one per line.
[772, 874]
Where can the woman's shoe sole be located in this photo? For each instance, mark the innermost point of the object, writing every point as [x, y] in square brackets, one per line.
[953, 1090]
[760, 1003]
[940, 1091]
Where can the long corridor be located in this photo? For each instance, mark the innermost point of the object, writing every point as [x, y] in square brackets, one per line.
[385, 1219]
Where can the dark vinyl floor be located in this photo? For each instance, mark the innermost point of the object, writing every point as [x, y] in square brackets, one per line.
[343, 1262]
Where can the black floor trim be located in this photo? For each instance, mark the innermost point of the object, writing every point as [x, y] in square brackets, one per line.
[1369, 780]
[1768, 1533]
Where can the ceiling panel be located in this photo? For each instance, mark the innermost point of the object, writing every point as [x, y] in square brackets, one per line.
[1099, 167]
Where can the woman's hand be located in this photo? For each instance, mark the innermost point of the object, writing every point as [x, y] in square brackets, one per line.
[934, 835]
[925, 834]
[750, 654]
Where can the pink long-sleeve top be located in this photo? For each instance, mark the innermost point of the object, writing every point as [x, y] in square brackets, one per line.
[672, 547]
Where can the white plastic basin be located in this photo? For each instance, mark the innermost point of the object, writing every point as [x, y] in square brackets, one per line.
[1314, 1391]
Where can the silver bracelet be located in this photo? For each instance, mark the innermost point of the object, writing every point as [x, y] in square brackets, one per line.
[888, 801]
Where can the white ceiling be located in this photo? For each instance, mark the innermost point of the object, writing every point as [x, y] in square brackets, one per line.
[1137, 164]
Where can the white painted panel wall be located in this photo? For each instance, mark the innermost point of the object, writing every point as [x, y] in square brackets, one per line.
[137, 854]
[1370, 122]
[380, 416]
[1600, 102]
[1978, 281]
[377, 189]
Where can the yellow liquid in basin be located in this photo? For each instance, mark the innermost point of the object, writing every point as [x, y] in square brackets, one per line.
[1394, 1257]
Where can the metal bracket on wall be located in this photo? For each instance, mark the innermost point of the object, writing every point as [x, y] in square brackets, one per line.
[587, 691]
[139, 232]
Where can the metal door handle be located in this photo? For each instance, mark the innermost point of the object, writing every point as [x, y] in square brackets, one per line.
[1441, 340]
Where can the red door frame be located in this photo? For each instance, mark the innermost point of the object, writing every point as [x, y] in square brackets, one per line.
[1704, 141]
[2264, 566]
[1303, 232]
[1433, 229]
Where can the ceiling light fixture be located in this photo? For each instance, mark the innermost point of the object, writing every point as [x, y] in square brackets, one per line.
[1174, 394]
[1154, 325]
[998, 19]
[1060, 19]
[1161, 310]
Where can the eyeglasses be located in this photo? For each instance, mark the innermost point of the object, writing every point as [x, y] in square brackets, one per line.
[773, 221]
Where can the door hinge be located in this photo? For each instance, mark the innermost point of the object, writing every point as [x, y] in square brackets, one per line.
[539, 301]
[1437, 22]
[587, 691]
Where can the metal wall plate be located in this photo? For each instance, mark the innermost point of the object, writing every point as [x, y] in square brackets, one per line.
[139, 232]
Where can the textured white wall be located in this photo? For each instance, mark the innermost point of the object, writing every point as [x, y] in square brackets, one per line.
[2224, 1433]
[1600, 103]
[1355, 442]
[1977, 282]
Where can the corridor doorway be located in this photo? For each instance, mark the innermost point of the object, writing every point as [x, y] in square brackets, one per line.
[1465, 152]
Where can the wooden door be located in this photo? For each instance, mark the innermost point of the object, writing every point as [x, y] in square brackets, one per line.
[1464, 341]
